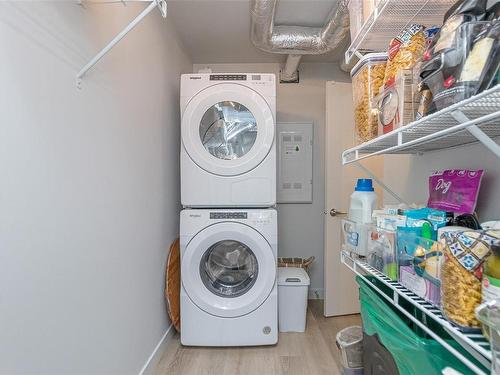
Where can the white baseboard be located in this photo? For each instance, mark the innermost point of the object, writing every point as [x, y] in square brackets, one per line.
[316, 293]
[149, 367]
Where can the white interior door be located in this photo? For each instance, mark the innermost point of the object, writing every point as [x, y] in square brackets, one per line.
[341, 290]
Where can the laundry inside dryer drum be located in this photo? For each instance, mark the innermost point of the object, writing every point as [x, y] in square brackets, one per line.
[228, 130]
[229, 268]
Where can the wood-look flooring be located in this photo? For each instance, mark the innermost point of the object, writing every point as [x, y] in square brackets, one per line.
[311, 353]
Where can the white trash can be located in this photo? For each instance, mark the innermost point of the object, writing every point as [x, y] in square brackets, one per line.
[293, 287]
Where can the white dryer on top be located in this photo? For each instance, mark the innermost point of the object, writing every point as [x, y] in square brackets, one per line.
[228, 152]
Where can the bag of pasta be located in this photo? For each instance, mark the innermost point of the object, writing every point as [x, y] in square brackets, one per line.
[461, 273]
[404, 51]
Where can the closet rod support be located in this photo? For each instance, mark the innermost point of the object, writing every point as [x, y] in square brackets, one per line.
[481, 136]
[162, 6]
[379, 182]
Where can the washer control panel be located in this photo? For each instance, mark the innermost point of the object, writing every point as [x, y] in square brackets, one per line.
[228, 77]
[228, 215]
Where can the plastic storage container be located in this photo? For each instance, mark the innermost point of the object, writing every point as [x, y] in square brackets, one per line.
[397, 104]
[367, 79]
[381, 253]
[354, 237]
[355, 17]
[419, 261]
[359, 12]
[293, 286]
[350, 344]
[461, 62]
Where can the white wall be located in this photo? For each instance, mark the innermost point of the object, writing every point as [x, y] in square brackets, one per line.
[408, 175]
[300, 225]
[89, 194]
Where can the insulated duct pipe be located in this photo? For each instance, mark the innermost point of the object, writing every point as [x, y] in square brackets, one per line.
[290, 71]
[297, 40]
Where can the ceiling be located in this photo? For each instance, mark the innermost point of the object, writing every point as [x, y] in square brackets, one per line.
[219, 31]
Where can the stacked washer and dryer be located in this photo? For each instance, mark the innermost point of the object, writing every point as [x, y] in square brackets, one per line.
[228, 227]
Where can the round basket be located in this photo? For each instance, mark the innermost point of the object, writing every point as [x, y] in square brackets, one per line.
[295, 262]
[173, 284]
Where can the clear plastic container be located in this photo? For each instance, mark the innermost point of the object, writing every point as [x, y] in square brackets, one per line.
[381, 253]
[367, 79]
[359, 12]
[355, 17]
[354, 237]
[419, 262]
[462, 64]
[397, 104]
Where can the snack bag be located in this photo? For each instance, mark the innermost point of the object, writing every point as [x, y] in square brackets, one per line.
[461, 273]
[454, 190]
[404, 51]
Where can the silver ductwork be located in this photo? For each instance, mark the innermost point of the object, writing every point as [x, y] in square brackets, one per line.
[297, 40]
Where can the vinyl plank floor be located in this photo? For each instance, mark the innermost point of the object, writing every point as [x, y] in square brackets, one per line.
[311, 353]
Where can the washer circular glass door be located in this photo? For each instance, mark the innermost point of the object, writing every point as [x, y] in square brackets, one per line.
[228, 269]
[227, 129]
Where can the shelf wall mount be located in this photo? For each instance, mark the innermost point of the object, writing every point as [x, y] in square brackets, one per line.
[161, 5]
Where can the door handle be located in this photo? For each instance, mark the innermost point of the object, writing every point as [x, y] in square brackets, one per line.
[334, 212]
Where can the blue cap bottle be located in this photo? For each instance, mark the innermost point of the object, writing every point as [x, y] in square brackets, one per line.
[364, 184]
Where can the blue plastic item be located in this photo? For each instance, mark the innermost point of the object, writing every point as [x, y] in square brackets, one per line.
[364, 184]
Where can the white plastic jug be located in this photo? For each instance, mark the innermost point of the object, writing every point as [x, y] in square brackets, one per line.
[363, 202]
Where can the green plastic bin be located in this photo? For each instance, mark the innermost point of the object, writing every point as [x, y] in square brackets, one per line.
[413, 353]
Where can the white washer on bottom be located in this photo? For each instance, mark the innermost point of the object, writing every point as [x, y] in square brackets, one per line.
[228, 277]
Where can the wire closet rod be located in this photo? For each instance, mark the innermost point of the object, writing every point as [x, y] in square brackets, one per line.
[162, 6]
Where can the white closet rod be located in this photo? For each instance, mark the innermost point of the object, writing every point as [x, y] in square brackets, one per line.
[162, 5]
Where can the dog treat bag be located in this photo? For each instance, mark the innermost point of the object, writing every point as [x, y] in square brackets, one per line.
[454, 190]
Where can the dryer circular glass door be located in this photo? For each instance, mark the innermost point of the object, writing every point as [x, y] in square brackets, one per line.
[228, 269]
[227, 129]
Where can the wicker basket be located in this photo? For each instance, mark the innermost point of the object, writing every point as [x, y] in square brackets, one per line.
[295, 262]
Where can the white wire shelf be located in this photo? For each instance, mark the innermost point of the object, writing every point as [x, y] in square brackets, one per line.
[390, 17]
[474, 343]
[456, 125]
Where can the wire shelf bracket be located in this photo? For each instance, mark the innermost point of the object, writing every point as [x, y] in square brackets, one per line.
[162, 7]
[481, 136]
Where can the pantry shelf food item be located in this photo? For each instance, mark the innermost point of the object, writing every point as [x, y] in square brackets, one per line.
[462, 59]
[454, 190]
[405, 50]
[419, 261]
[381, 253]
[397, 102]
[461, 274]
[367, 78]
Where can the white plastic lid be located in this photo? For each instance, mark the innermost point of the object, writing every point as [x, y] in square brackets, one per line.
[369, 57]
[293, 276]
